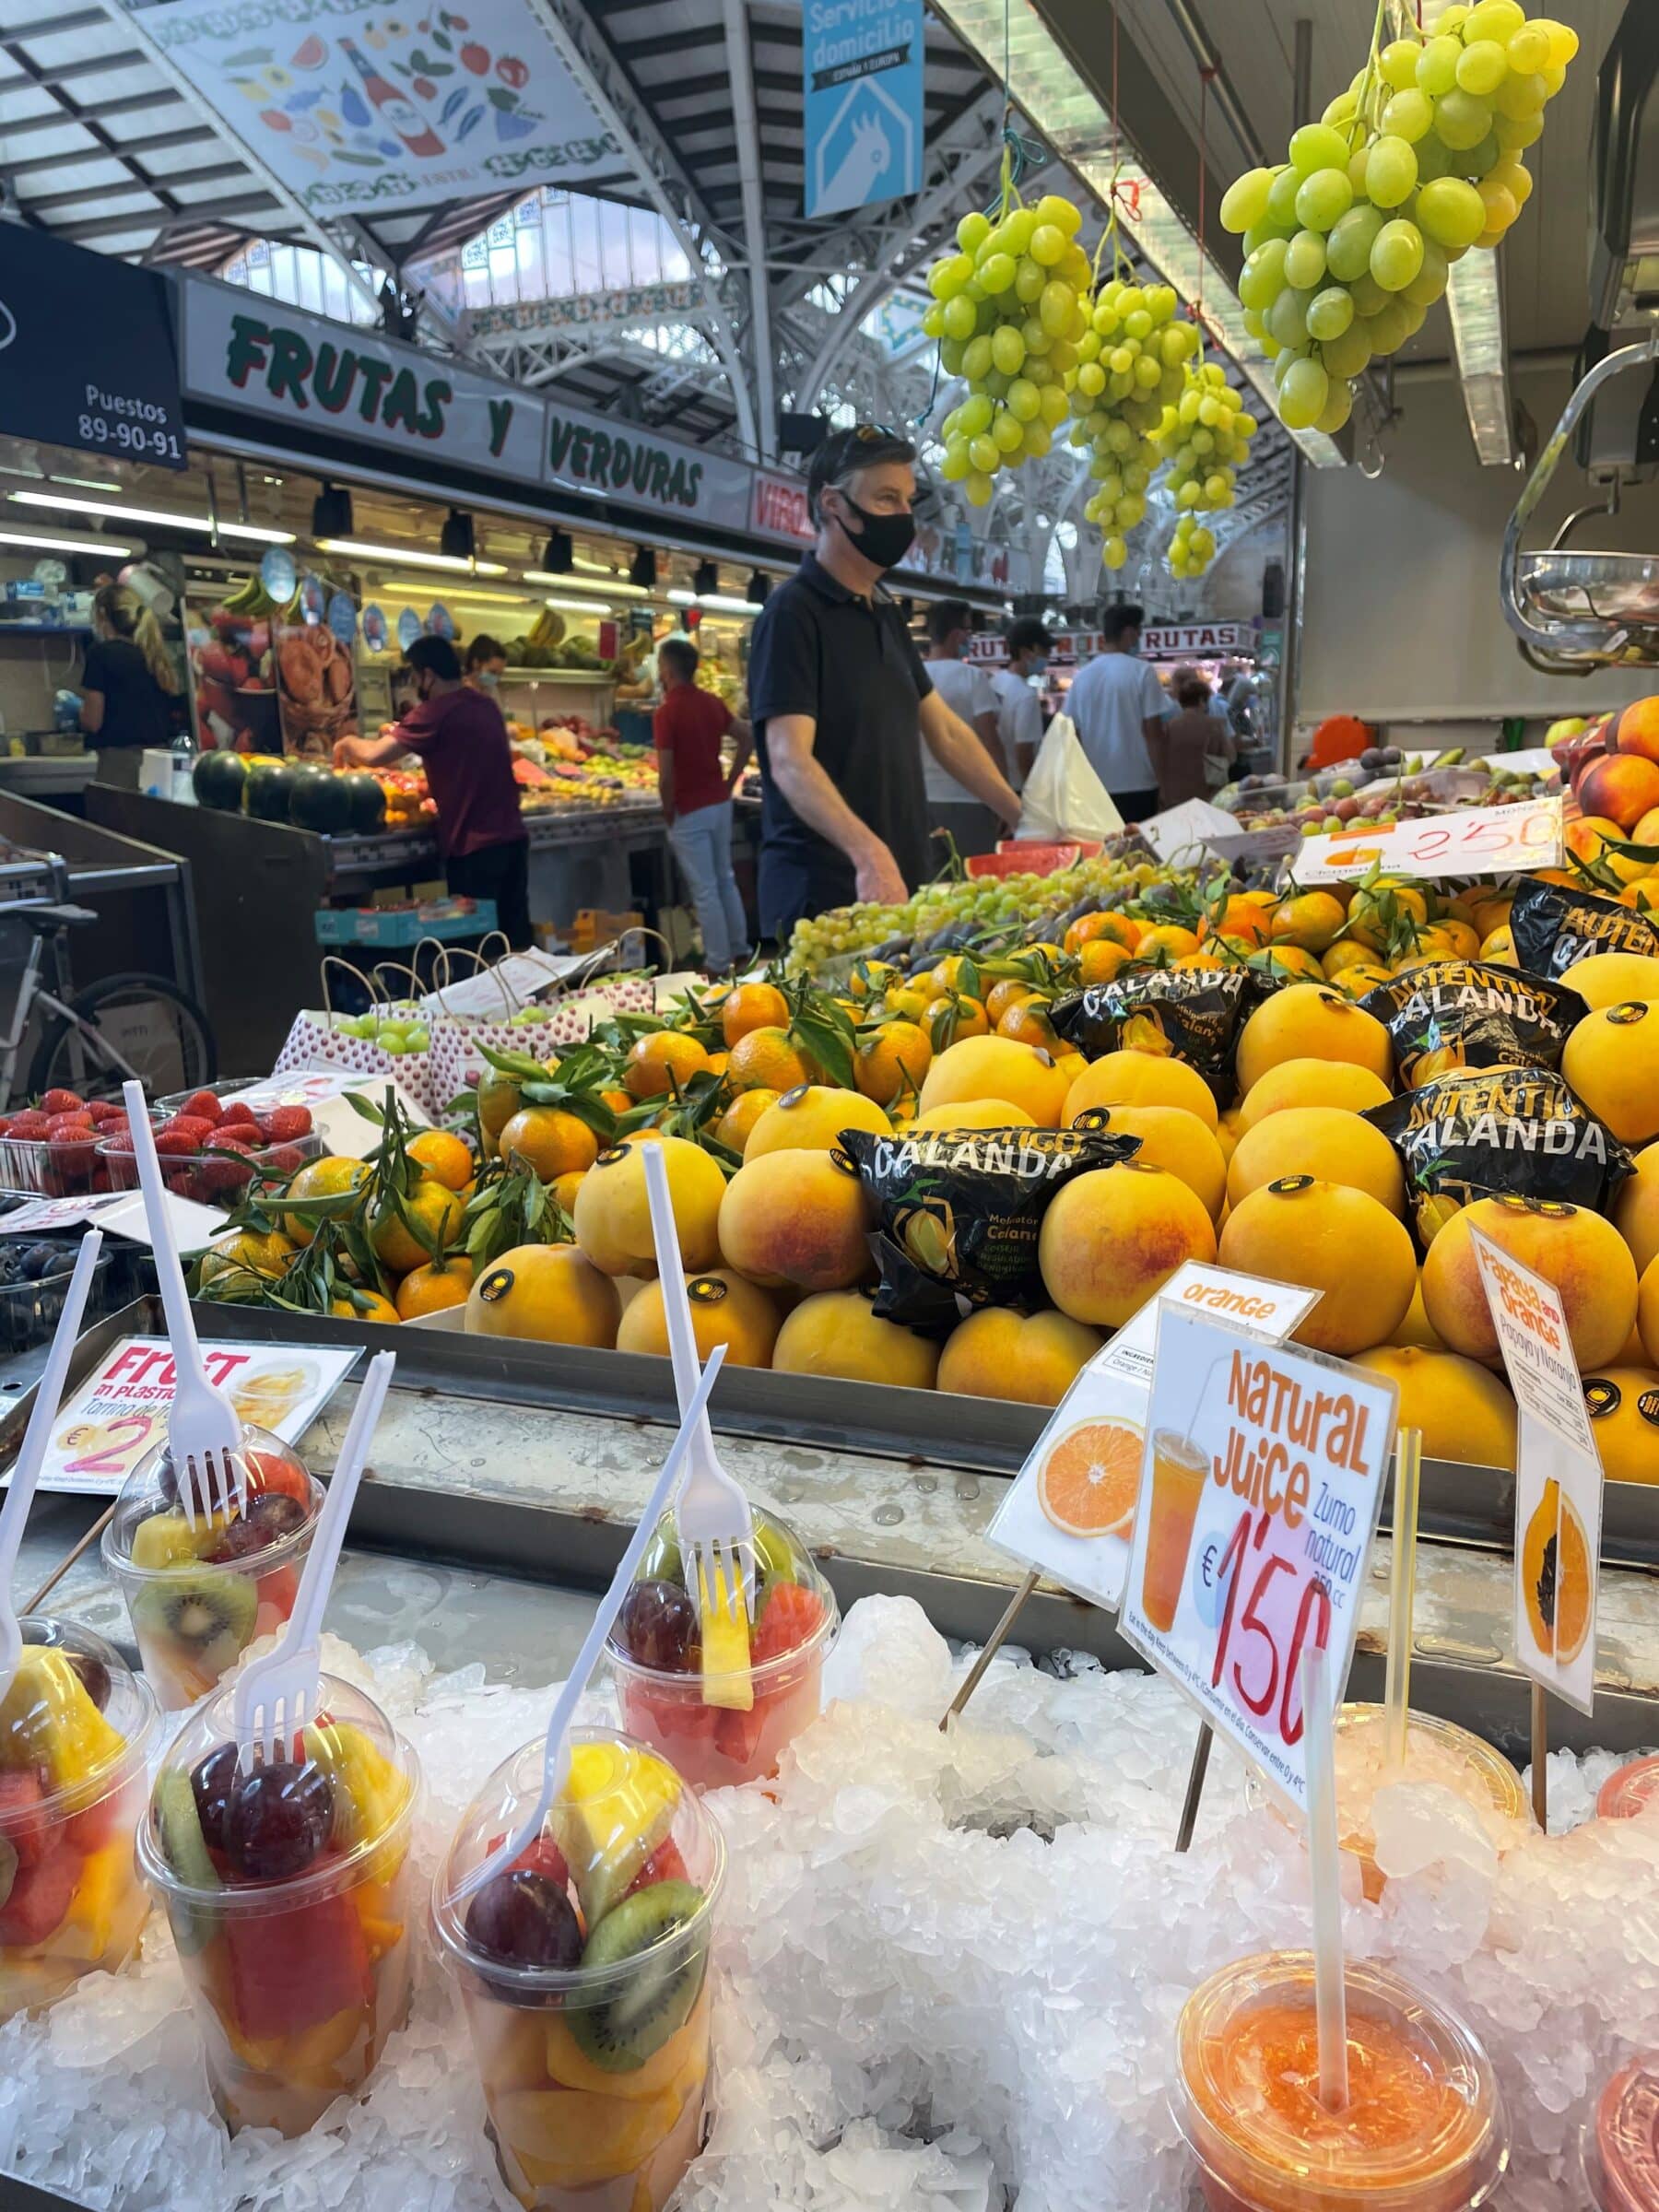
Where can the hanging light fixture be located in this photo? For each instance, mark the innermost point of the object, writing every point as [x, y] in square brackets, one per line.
[757, 589]
[331, 513]
[457, 539]
[559, 556]
[645, 571]
[705, 580]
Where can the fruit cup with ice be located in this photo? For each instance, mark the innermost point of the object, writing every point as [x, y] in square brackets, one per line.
[75, 1729]
[722, 1700]
[288, 1889]
[583, 1968]
[199, 1596]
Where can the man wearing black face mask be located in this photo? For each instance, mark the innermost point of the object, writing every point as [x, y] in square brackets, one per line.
[462, 743]
[837, 695]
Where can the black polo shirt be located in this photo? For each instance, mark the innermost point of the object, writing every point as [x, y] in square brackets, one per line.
[848, 663]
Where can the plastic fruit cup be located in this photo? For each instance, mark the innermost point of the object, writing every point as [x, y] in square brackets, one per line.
[295, 1982]
[594, 2074]
[1620, 2141]
[727, 1725]
[193, 1616]
[75, 1729]
[1629, 1790]
[1436, 1751]
[1423, 2129]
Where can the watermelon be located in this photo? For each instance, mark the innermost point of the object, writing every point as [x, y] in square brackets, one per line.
[367, 802]
[217, 779]
[319, 800]
[269, 784]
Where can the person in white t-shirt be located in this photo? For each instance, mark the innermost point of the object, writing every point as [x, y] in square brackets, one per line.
[966, 690]
[1019, 711]
[1116, 703]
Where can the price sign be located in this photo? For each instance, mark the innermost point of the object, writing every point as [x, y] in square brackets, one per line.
[1482, 841]
[1070, 1510]
[1261, 1482]
[1557, 1477]
[117, 1213]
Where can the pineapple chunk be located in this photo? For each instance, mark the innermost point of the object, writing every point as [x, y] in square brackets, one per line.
[619, 1806]
[725, 1649]
[47, 1720]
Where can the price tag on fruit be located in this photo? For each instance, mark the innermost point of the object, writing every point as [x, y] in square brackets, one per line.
[1071, 1511]
[120, 1412]
[326, 1093]
[1481, 841]
[1557, 1478]
[1261, 1481]
[117, 1213]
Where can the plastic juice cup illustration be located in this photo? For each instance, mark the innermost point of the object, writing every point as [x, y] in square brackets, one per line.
[1628, 1790]
[583, 1968]
[1179, 1469]
[75, 1729]
[197, 1597]
[723, 1709]
[265, 1401]
[1423, 2129]
[291, 1898]
[1620, 2141]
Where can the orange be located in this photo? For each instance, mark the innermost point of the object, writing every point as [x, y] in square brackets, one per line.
[566, 1186]
[947, 974]
[752, 1007]
[767, 1059]
[369, 1306]
[1011, 992]
[893, 1061]
[445, 1157]
[1100, 960]
[1310, 919]
[617, 1100]
[1110, 929]
[1242, 918]
[549, 1141]
[950, 1019]
[732, 1128]
[327, 1178]
[247, 1252]
[1091, 1476]
[1167, 937]
[1028, 1023]
[719, 1063]
[432, 1208]
[429, 1289]
[665, 1060]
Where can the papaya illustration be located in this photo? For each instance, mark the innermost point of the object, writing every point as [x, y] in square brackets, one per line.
[1556, 1577]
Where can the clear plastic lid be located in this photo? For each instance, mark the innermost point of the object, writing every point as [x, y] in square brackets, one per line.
[74, 1719]
[149, 1535]
[621, 1883]
[1424, 2127]
[245, 1836]
[1631, 1790]
[1620, 2141]
[658, 1632]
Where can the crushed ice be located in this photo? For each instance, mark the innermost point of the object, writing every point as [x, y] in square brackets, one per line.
[950, 1966]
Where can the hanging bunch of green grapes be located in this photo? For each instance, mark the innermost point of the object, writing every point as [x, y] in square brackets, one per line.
[1203, 439]
[1009, 310]
[1130, 372]
[1419, 161]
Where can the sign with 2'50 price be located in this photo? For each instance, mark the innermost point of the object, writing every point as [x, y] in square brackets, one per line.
[1261, 1482]
[1480, 841]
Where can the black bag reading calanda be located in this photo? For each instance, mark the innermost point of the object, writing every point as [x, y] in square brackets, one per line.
[1492, 1131]
[1553, 924]
[1189, 1014]
[958, 1212]
[1447, 1015]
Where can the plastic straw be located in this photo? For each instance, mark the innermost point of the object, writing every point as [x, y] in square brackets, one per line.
[1396, 1696]
[1324, 1865]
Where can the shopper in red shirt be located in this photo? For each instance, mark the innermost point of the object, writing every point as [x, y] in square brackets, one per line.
[697, 800]
[462, 742]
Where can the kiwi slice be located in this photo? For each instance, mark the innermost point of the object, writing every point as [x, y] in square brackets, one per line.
[621, 2032]
[186, 1850]
[207, 1612]
[772, 1555]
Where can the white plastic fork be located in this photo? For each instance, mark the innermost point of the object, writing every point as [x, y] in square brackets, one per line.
[555, 1759]
[203, 1434]
[277, 1695]
[49, 1392]
[711, 1515]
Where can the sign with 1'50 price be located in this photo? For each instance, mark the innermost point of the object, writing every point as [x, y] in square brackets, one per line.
[1261, 1482]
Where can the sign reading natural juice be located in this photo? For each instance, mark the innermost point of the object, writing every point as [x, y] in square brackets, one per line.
[1261, 1482]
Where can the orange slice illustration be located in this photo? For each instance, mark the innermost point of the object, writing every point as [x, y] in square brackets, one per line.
[1087, 1483]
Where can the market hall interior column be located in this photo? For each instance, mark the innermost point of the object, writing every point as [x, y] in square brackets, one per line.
[837, 695]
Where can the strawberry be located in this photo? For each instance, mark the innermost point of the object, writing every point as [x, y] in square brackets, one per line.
[70, 1124]
[62, 1102]
[283, 1160]
[30, 1122]
[22, 1823]
[217, 1178]
[106, 1110]
[283, 1123]
[220, 1142]
[238, 1110]
[202, 1105]
[176, 1144]
[39, 1896]
[191, 1125]
[275, 1471]
[665, 1865]
[121, 1142]
[790, 1618]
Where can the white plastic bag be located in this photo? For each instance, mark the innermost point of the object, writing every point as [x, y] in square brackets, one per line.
[1063, 798]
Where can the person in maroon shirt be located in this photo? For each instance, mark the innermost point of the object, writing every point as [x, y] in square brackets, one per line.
[696, 793]
[462, 741]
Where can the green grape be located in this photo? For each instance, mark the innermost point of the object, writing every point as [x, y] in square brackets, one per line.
[1305, 260]
[1451, 212]
[1137, 323]
[1329, 312]
[1281, 198]
[975, 414]
[1408, 115]
[1430, 282]
[1009, 350]
[1028, 280]
[947, 277]
[1397, 63]
[1048, 244]
[1287, 318]
[1324, 198]
[1338, 406]
[1259, 233]
[1519, 96]
[1356, 170]
[1387, 329]
[1348, 354]
[1018, 227]
[1460, 120]
[1515, 177]
[1483, 67]
[1253, 322]
[1245, 200]
[962, 318]
[997, 272]
[956, 463]
[1415, 316]
[1063, 213]
[1527, 50]
[1366, 293]
[984, 454]
[1091, 378]
[995, 383]
[1437, 65]
[1493, 19]
[1053, 411]
[1007, 434]
[1501, 203]
[1347, 249]
[1025, 400]
[1055, 308]
[976, 358]
[1038, 439]
[1479, 158]
[1341, 110]
[1302, 394]
[1553, 77]
[1391, 172]
[1564, 41]
[974, 229]
[1317, 145]
[1146, 373]
[1515, 134]
[1115, 552]
[1433, 159]
[1397, 254]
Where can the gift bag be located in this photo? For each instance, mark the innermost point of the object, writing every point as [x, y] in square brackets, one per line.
[316, 1040]
[1063, 797]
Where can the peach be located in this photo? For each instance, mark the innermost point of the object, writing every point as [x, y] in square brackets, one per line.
[997, 1353]
[836, 1334]
[1581, 1253]
[1462, 1409]
[1342, 1244]
[1113, 1236]
[1612, 1060]
[795, 1217]
[1637, 729]
[1325, 1141]
[1311, 1021]
[1636, 1209]
[1620, 787]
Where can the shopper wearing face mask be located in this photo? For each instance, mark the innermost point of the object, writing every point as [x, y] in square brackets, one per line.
[458, 734]
[837, 695]
[486, 665]
[1019, 708]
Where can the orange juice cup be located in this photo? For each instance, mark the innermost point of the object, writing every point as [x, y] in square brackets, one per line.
[1179, 1469]
[291, 1899]
[1423, 2129]
[1628, 1790]
[1621, 2141]
[583, 1968]
[75, 1729]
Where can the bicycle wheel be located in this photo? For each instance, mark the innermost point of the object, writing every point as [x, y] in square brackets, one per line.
[156, 1029]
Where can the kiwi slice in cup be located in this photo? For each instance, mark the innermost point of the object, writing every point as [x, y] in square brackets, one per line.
[206, 1611]
[622, 2032]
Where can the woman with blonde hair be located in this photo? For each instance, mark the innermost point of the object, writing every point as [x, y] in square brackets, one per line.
[129, 686]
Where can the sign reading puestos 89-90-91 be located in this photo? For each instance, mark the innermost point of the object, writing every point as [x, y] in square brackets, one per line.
[1261, 1483]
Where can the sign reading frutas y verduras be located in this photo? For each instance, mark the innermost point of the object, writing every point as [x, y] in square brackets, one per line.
[87, 352]
[1482, 841]
[1260, 1488]
[1195, 640]
[862, 61]
[612, 459]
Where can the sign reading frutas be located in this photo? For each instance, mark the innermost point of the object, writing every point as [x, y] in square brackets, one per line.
[1260, 1488]
[862, 61]
[102, 378]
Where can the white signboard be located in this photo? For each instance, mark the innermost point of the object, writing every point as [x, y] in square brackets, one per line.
[117, 1213]
[1260, 1488]
[1197, 641]
[1481, 841]
[1558, 1480]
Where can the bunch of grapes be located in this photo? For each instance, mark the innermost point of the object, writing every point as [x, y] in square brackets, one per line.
[1009, 308]
[1204, 438]
[1131, 366]
[1350, 243]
